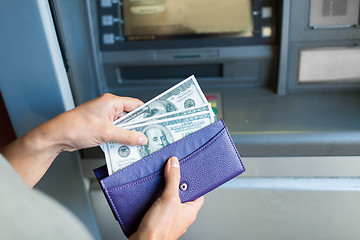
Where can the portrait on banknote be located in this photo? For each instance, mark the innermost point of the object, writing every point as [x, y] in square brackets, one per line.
[158, 137]
[159, 107]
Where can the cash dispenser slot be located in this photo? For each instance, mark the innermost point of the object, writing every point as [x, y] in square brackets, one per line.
[170, 55]
[141, 73]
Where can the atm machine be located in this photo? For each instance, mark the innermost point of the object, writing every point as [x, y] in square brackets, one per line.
[284, 75]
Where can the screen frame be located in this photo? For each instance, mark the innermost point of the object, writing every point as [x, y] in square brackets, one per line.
[121, 44]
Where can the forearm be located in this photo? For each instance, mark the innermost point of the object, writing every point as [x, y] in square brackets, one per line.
[87, 125]
[32, 154]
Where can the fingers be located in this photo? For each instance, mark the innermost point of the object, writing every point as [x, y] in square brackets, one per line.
[123, 136]
[128, 104]
[191, 210]
[122, 104]
[196, 204]
[172, 178]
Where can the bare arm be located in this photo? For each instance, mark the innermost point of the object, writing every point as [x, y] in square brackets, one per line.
[87, 125]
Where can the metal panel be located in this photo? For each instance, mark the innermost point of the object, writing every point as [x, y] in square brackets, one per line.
[298, 35]
[31, 65]
[35, 88]
[310, 212]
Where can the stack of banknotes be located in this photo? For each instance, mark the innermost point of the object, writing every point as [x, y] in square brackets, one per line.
[172, 115]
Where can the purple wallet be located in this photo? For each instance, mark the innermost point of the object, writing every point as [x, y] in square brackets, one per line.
[208, 158]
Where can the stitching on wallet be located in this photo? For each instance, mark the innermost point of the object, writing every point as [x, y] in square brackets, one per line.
[113, 206]
[135, 182]
[187, 158]
[232, 143]
[158, 152]
[182, 161]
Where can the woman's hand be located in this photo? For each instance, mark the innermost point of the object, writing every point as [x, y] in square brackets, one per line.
[91, 124]
[87, 125]
[168, 218]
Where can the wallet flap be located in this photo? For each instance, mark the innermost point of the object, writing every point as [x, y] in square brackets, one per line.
[156, 161]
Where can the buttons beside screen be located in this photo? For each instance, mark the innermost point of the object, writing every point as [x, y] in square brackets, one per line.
[266, 12]
[108, 38]
[266, 32]
[106, 3]
[107, 20]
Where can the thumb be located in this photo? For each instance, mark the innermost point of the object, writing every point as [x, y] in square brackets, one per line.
[172, 178]
[123, 136]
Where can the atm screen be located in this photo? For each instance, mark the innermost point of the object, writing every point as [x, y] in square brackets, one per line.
[169, 19]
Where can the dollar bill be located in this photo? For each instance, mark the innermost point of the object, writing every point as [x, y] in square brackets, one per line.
[184, 95]
[201, 109]
[159, 133]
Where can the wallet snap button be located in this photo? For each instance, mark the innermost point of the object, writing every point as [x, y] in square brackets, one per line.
[183, 186]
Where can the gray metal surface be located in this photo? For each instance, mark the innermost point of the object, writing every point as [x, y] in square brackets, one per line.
[31, 65]
[241, 213]
[283, 66]
[296, 35]
[231, 213]
[276, 198]
[74, 32]
[302, 124]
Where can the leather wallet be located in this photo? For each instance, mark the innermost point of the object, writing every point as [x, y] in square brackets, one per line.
[208, 158]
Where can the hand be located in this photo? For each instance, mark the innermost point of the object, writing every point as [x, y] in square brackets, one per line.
[91, 124]
[168, 218]
[87, 125]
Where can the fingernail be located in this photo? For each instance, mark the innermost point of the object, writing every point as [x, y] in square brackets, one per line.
[142, 140]
[174, 162]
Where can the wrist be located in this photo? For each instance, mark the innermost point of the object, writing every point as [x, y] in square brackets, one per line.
[31, 155]
[144, 235]
[40, 142]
